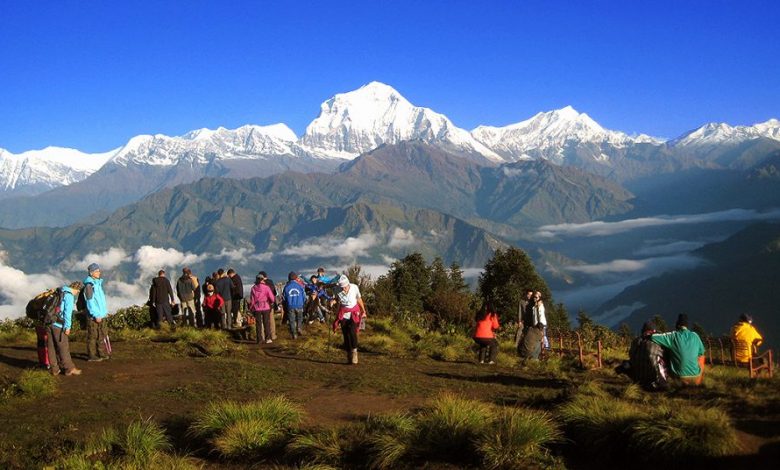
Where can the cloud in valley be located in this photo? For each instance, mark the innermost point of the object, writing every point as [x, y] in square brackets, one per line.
[623, 266]
[401, 238]
[595, 229]
[107, 260]
[349, 248]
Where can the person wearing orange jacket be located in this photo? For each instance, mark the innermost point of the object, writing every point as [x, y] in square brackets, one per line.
[484, 336]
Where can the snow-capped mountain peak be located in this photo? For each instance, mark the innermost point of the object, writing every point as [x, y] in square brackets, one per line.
[40, 170]
[547, 134]
[718, 133]
[201, 146]
[353, 123]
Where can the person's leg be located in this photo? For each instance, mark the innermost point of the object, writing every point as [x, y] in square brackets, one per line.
[493, 351]
[353, 332]
[103, 339]
[258, 326]
[228, 314]
[54, 364]
[41, 333]
[298, 320]
[273, 325]
[267, 319]
[62, 345]
[92, 338]
[199, 321]
[236, 306]
[291, 322]
[346, 326]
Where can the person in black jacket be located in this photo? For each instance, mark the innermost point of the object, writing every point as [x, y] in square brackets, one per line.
[224, 287]
[237, 295]
[162, 300]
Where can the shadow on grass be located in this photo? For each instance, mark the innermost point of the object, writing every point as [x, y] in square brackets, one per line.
[269, 353]
[19, 363]
[758, 427]
[502, 379]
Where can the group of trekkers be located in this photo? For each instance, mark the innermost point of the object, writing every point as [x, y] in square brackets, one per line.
[215, 303]
[656, 357]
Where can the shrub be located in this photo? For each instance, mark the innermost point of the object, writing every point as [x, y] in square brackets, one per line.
[36, 384]
[450, 426]
[518, 437]
[322, 446]
[134, 317]
[17, 331]
[248, 438]
[393, 439]
[142, 439]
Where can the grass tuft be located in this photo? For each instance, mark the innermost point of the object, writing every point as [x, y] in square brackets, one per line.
[33, 383]
[320, 447]
[518, 438]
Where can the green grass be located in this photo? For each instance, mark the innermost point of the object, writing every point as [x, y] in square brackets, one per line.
[252, 429]
[518, 438]
[319, 447]
[35, 383]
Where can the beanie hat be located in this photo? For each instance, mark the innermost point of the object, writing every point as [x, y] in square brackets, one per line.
[746, 318]
[92, 268]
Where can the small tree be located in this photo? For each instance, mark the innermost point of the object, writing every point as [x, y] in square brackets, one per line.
[660, 323]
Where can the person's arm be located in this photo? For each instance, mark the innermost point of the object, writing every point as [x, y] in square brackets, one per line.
[170, 293]
[362, 306]
[67, 312]
[663, 339]
[542, 317]
[89, 294]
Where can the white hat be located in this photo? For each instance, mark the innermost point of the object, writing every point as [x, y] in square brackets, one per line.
[343, 281]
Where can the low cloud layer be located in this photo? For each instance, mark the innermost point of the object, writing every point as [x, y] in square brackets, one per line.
[349, 248]
[596, 229]
[622, 266]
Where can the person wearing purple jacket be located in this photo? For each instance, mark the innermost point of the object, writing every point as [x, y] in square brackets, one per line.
[261, 300]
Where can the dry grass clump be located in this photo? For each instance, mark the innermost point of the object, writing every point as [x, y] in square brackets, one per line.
[36, 383]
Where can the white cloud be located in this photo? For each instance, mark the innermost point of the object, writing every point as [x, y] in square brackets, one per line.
[389, 259]
[241, 255]
[669, 248]
[593, 229]
[349, 248]
[19, 287]
[151, 259]
[401, 238]
[616, 315]
[107, 260]
[624, 266]
[470, 273]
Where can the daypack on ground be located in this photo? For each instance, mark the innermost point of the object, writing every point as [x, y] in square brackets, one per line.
[44, 308]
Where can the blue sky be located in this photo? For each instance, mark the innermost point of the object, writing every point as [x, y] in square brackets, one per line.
[90, 75]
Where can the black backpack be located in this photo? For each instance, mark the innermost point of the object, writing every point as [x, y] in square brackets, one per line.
[81, 301]
[44, 308]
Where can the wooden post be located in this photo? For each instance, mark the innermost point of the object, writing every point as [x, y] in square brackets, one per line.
[709, 348]
[579, 347]
[598, 354]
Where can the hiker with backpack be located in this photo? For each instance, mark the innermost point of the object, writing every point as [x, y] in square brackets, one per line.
[294, 298]
[186, 288]
[484, 333]
[58, 333]
[351, 311]
[94, 302]
[646, 365]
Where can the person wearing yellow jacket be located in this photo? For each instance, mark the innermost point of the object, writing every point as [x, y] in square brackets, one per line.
[744, 332]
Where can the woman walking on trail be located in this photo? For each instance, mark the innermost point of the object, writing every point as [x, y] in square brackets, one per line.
[261, 300]
[484, 336]
[351, 310]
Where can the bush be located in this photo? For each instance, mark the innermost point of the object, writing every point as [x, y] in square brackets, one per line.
[19, 330]
[450, 427]
[321, 446]
[134, 317]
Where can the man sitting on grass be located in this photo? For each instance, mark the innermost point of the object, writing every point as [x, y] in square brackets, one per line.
[686, 352]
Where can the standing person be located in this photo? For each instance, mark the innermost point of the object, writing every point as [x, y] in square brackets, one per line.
[213, 305]
[294, 298]
[686, 351]
[326, 279]
[646, 359]
[161, 297]
[524, 315]
[224, 287]
[270, 283]
[236, 296]
[197, 299]
[747, 339]
[186, 287]
[59, 333]
[484, 333]
[539, 318]
[261, 300]
[97, 311]
[351, 309]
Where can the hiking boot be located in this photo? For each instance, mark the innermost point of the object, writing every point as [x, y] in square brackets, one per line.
[95, 359]
[269, 341]
[354, 356]
[54, 372]
[492, 362]
[73, 371]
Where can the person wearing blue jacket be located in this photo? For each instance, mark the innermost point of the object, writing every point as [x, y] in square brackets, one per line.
[325, 279]
[97, 311]
[294, 298]
[59, 331]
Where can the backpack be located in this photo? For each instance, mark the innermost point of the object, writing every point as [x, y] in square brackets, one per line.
[44, 308]
[81, 301]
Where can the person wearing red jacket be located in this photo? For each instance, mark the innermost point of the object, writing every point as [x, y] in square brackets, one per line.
[212, 307]
[484, 336]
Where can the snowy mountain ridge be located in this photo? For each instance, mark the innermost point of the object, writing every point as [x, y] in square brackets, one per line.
[48, 168]
[350, 124]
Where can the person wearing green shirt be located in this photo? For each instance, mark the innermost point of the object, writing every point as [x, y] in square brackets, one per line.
[686, 351]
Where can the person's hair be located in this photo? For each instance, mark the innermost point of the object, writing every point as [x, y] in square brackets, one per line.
[209, 287]
[529, 290]
[320, 269]
[186, 271]
[487, 308]
[160, 272]
[313, 278]
[258, 279]
[220, 272]
[262, 273]
[231, 271]
[76, 285]
[214, 275]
